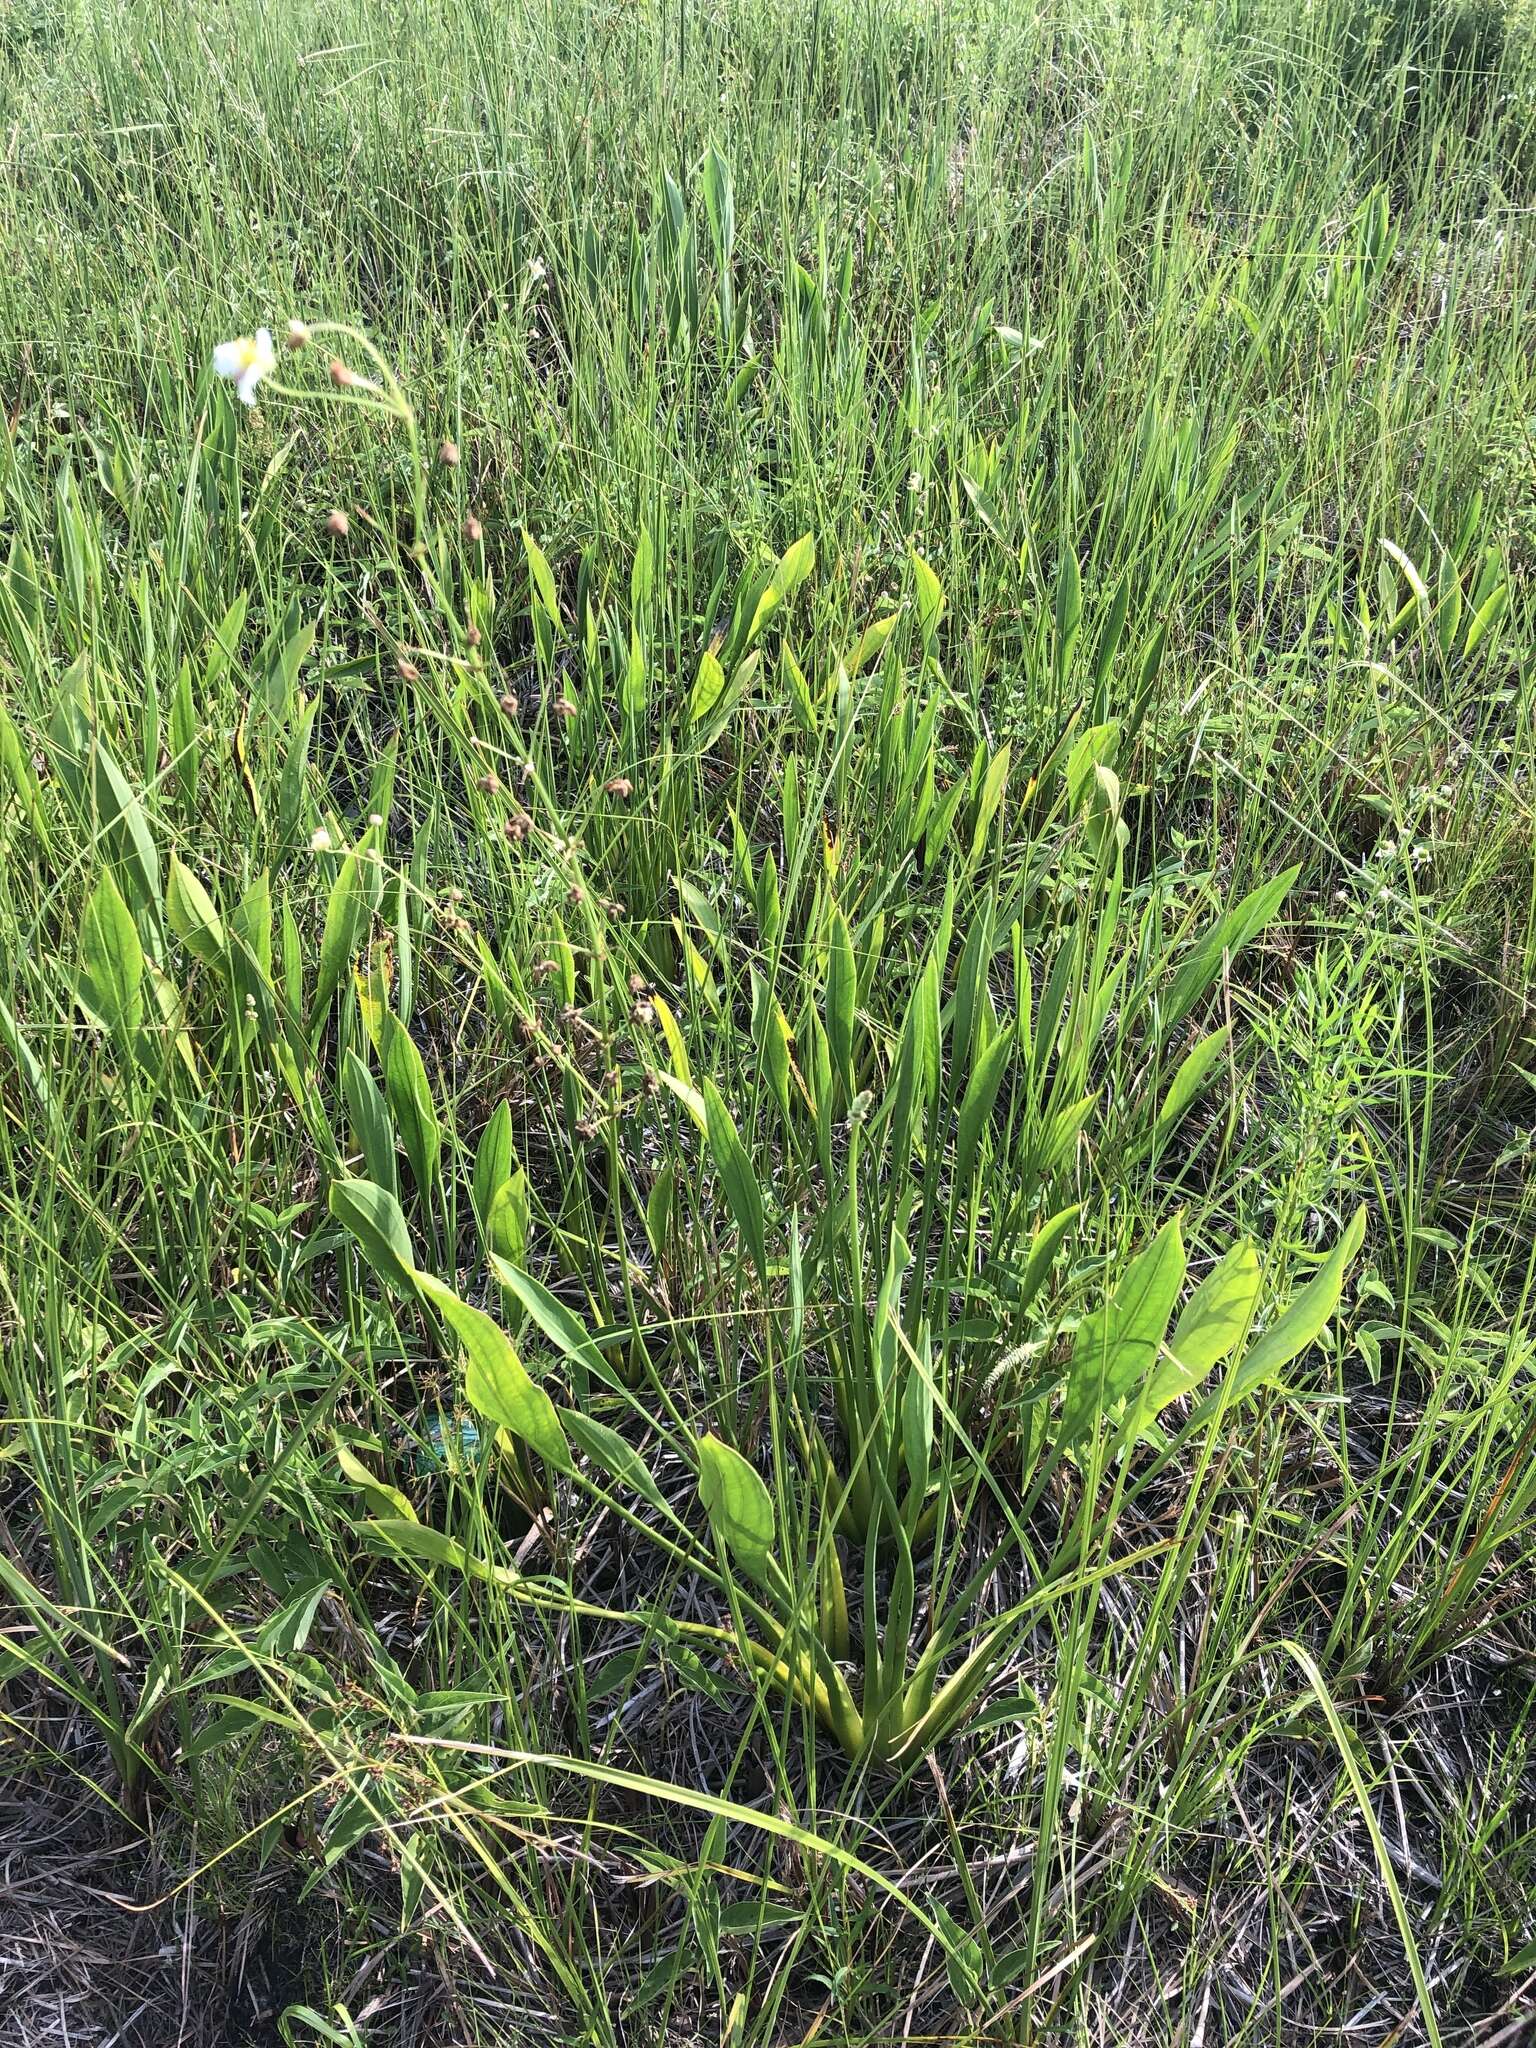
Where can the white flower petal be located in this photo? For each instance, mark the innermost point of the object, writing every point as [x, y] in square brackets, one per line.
[230, 358]
[245, 389]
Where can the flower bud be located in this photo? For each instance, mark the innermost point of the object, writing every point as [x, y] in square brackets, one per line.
[337, 523]
[473, 530]
[448, 455]
[298, 334]
[341, 376]
[407, 670]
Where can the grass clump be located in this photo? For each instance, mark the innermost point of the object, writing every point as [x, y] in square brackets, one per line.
[765, 1055]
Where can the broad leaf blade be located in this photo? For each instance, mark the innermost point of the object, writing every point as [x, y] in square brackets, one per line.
[496, 1382]
[736, 1175]
[1118, 1347]
[375, 1219]
[738, 1505]
[1303, 1322]
[112, 961]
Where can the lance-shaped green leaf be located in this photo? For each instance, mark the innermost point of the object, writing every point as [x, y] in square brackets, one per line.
[382, 1499]
[977, 1104]
[376, 1221]
[563, 1329]
[126, 832]
[708, 687]
[1231, 932]
[112, 961]
[506, 1227]
[738, 1505]
[1117, 1347]
[410, 1102]
[607, 1449]
[541, 577]
[842, 996]
[346, 919]
[1043, 1247]
[1215, 1318]
[371, 1125]
[870, 643]
[907, 1096]
[192, 917]
[794, 565]
[736, 1176]
[1093, 748]
[13, 1039]
[496, 1382]
[1214, 1322]
[1190, 1078]
[930, 598]
[1302, 1323]
[251, 923]
[16, 770]
[494, 1160]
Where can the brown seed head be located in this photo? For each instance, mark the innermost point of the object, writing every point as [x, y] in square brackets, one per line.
[341, 376]
[337, 523]
[408, 671]
[472, 635]
[473, 530]
[448, 455]
[621, 787]
[509, 704]
[298, 334]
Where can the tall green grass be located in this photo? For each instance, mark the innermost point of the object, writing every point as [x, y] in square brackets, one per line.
[765, 1235]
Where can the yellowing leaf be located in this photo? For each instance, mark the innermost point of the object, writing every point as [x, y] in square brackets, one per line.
[873, 639]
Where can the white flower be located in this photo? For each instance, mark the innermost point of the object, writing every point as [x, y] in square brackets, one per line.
[536, 271]
[319, 840]
[246, 361]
